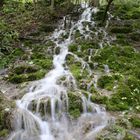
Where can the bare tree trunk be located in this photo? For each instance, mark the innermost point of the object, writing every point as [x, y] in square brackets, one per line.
[107, 9]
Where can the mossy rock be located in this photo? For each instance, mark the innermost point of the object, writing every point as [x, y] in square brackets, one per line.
[99, 99]
[135, 36]
[77, 71]
[75, 105]
[36, 76]
[6, 113]
[16, 79]
[38, 55]
[44, 63]
[22, 69]
[106, 82]
[136, 25]
[73, 48]
[135, 121]
[47, 28]
[121, 29]
[112, 132]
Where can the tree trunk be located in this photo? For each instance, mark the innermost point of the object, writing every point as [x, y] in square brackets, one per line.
[107, 9]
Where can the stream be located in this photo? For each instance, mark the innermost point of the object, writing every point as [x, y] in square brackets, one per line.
[52, 121]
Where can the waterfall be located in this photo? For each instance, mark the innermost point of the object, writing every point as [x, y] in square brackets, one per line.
[42, 113]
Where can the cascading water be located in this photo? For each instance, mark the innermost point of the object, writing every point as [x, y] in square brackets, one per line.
[42, 113]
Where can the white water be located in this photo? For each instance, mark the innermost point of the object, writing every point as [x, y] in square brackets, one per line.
[42, 113]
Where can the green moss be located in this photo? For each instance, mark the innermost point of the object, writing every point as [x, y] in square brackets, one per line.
[75, 105]
[70, 59]
[18, 78]
[106, 82]
[36, 76]
[24, 69]
[73, 48]
[133, 83]
[121, 29]
[78, 34]
[38, 55]
[133, 13]
[26, 77]
[136, 24]
[135, 122]
[127, 10]
[75, 113]
[135, 36]
[123, 41]
[99, 99]
[44, 63]
[119, 59]
[4, 133]
[76, 71]
[121, 106]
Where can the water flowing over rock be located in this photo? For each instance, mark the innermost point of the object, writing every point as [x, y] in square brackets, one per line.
[43, 113]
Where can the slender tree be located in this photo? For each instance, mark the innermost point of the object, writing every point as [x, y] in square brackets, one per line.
[109, 2]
